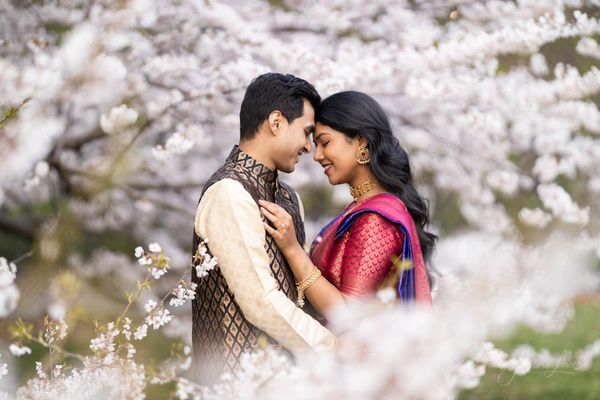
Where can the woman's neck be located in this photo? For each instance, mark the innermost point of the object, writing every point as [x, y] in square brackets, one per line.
[366, 189]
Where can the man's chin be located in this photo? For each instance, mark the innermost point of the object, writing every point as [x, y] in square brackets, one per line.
[288, 170]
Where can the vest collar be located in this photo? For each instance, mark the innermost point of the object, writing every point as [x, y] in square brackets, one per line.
[254, 167]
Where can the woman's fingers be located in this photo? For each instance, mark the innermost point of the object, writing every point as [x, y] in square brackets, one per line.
[271, 231]
[270, 216]
[273, 208]
[280, 214]
[268, 211]
[284, 232]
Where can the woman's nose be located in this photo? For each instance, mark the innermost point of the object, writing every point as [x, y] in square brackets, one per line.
[318, 156]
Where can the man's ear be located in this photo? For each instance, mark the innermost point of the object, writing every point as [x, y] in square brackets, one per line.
[275, 120]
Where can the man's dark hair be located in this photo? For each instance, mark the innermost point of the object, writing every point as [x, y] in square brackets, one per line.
[270, 92]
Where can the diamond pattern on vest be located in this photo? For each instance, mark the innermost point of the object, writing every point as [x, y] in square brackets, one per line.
[220, 332]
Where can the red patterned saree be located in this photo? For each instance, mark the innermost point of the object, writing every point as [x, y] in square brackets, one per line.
[355, 251]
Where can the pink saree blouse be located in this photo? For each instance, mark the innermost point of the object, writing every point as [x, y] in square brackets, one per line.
[355, 251]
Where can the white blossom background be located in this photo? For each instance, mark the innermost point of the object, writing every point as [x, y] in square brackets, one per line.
[115, 112]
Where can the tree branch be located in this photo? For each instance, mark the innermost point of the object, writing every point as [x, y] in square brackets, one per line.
[24, 231]
[141, 185]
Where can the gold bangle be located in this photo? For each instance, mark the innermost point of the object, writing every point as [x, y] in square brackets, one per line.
[314, 275]
[306, 283]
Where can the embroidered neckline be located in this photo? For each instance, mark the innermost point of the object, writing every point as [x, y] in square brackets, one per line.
[256, 168]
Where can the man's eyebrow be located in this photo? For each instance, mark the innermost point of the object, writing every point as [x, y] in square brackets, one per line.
[309, 129]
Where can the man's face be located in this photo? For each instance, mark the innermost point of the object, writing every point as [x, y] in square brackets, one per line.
[294, 139]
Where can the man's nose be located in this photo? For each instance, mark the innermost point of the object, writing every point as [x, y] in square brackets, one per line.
[307, 146]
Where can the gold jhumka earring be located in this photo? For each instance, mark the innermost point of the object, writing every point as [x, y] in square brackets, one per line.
[362, 155]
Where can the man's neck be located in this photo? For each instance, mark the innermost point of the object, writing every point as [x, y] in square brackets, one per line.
[256, 151]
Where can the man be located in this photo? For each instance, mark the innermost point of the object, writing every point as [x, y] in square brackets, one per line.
[251, 293]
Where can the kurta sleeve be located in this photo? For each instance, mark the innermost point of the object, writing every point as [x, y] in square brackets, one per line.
[230, 219]
[366, 262]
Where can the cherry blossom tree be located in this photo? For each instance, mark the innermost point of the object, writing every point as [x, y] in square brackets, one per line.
[114, 113]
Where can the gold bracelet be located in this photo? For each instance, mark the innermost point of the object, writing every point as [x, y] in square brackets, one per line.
[306, 283]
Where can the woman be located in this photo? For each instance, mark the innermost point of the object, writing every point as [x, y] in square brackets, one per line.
[381, 234]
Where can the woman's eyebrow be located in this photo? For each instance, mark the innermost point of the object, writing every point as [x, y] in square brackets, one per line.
[317, 136]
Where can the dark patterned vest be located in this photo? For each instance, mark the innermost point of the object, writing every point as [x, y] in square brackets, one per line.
[220, 332]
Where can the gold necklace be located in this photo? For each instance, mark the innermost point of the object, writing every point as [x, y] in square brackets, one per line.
[363, 188]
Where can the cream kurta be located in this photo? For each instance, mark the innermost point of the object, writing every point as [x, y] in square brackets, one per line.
[230, 219]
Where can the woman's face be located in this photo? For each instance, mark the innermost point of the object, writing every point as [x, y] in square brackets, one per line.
[336, 153]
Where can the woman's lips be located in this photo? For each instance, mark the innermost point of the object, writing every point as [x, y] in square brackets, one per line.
[327, 168]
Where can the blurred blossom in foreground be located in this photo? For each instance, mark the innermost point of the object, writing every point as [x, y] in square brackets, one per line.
[134, 104]
[9, 293]
[479, 299]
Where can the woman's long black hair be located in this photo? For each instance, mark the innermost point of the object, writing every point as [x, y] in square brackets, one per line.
[357, 114]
